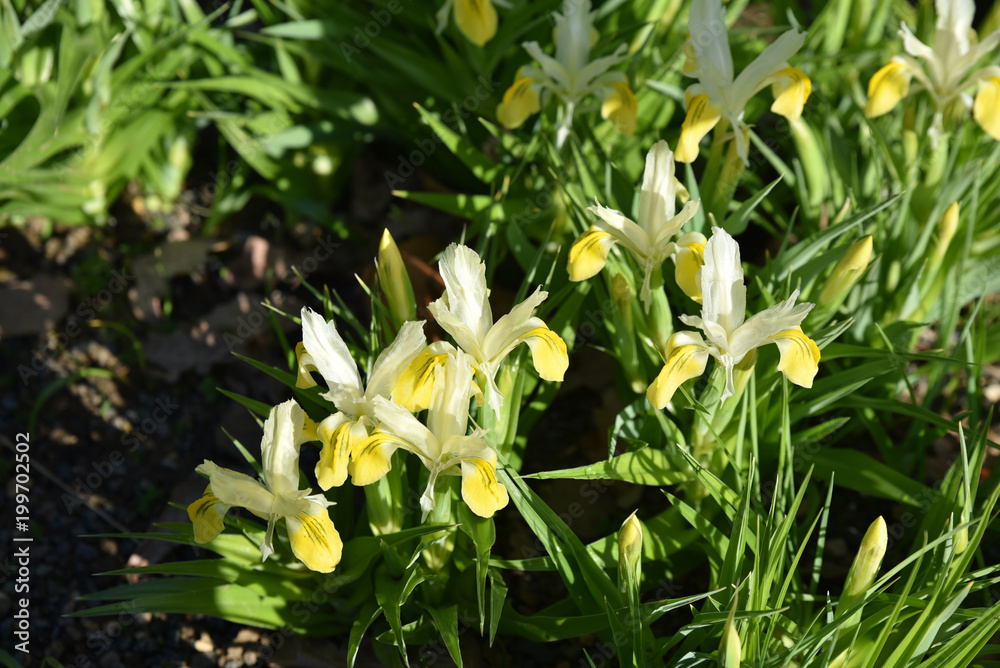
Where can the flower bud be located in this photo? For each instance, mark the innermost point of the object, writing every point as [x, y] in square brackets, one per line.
[946, 229]
[866, 564]
[394, 282]
[847, 272]
[630, 551]
[730, 649]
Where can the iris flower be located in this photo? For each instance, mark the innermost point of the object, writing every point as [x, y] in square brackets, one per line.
[946, 73]
[718, 95]
[314, 539]
[464, 312]
[571, 76]
[323, 350]
[477, 19]
[443, 445]
[730, 335]
[650, 239]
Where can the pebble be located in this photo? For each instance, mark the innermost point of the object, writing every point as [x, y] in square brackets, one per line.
[204, 643]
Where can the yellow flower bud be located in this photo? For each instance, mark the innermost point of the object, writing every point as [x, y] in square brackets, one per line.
[394, 282]
[866, 564]
[630, 551]
[847, 272]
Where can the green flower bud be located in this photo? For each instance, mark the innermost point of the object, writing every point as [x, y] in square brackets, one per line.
[847, 272]
[630, 551]
[866, 564]
[395, 282]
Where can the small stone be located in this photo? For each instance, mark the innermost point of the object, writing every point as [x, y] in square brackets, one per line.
[204, 644]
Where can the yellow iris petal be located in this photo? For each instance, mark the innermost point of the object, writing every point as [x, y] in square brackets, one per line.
[338, 443]
[701, 118]
[372, 458]
[589, 254]
[799, 356]
[887, 87]
[206, 515]
[683, 363]
[477, 19]
[986, 109]
[415, 385]
[791, 90]
[315, 541]
[480, 488]
[519, 102]
[621, 107]
[687, 263]
[548, 353]
[304, 378]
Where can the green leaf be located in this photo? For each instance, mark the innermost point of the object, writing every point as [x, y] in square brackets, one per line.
[587, 582]
[446, 620]
[484, 169]
[483, 534]
[498, 592]
[860, 472]
[737, 221]
[648, 466]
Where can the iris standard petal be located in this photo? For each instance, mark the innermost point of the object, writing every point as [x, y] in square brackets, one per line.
[464, 275]
[279, 448]
[701, 118]
[329, 352]
[315, 541]
[395, 359]
[686, 357]
[887, 87]
[799, 356]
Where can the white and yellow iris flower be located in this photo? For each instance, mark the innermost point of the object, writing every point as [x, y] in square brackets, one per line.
[946, 73]
[728, 335]
[464, 312]
[477, 19]
[718, 96]
[324, 350]
[571, 76]
[314, 539]
[442, 445]
[649, 239]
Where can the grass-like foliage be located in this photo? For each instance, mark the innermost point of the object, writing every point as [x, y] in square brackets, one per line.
[676, 185]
